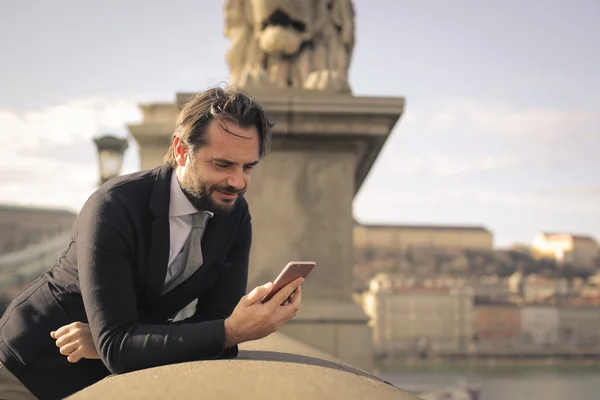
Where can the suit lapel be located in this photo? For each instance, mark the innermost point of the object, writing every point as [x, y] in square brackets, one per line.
[160, 240]
[158, 258]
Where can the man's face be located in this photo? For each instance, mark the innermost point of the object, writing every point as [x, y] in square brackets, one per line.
[218, 174]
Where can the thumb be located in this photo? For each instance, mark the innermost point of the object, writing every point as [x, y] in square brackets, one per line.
[259, 292]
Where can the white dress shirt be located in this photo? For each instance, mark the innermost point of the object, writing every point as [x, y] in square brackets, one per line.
[180, 222]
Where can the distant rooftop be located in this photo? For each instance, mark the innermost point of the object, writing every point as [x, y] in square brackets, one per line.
[555, 235]
[425, 227]
[32, 209]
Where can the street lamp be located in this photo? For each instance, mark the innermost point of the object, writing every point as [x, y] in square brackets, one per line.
[110, 156]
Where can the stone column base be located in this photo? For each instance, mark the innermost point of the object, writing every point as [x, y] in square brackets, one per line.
[337, 327]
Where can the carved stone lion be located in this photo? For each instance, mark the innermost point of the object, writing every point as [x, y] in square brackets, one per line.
[290, 43]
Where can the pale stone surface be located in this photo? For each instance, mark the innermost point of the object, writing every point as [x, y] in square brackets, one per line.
[272, 368]
[308, 217]
[337, 328]
[154, 133]
[290, 43]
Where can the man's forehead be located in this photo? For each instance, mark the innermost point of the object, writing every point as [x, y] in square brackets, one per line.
[232, 143]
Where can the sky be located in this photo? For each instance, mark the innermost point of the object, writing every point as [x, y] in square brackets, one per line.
[501, 126]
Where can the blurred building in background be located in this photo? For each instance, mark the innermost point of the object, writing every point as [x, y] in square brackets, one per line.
[391, 238]
[423, 318]
[567, 248]
[24, 226]
[418, 250]
[496, 322]
[434, 291]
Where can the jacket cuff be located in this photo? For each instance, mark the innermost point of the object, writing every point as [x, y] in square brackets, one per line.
[228, 352]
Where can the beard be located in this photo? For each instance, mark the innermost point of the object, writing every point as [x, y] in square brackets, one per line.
[200, 193]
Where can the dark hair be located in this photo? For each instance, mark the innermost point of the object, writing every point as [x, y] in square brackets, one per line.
[231, 105]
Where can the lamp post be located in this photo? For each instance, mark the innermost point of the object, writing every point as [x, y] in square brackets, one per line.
[110, 156]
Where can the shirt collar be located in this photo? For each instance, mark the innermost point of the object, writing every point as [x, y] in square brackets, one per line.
[179, 204]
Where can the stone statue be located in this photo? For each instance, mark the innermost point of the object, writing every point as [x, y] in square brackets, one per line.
[304, 44]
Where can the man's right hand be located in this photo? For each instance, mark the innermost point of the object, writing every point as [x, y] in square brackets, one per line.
[75, 341]
[253, 320]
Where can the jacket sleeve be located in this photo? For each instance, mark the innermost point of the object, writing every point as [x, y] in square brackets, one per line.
[104, 252]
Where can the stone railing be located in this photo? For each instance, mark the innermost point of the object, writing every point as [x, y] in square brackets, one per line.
[276, 367]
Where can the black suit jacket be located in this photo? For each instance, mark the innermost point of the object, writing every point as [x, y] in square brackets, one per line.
[111, 275]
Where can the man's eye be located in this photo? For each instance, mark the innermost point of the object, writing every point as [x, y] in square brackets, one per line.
[222, 165]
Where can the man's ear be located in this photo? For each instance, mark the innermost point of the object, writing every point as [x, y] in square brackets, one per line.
[180, 152]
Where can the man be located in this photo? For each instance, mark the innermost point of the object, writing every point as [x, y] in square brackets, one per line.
[144, 246]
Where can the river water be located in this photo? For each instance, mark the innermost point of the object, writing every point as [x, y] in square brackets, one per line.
[519, 383]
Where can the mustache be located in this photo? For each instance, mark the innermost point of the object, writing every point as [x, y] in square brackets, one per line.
[229, 189]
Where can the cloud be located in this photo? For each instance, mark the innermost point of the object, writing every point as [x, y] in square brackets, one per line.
[476, 117]
[439, 165]
[513, 210]
[395, 201]
[571, 191]
[454, 137]
[47, 156]
[62, 124]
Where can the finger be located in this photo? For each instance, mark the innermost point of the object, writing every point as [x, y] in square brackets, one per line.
[290, 308]
[68, 348]
[67, 338]
[62, 331]
[259, 293]
[286, 291]
[288, 301]
[75, 356]
[297, 297]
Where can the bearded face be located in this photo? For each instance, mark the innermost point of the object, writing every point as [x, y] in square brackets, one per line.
[207, 196]
[216, 175]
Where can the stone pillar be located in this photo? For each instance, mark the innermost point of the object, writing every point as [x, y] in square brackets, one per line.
[153, 134]
[301, 195]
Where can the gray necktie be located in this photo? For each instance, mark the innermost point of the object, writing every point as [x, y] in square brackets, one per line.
[191, 254]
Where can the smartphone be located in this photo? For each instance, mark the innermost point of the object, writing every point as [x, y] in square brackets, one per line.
[291, 272]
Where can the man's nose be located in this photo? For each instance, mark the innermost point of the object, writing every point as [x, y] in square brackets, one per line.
[236, 181]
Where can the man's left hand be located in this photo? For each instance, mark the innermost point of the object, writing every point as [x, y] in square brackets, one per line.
[75, 341]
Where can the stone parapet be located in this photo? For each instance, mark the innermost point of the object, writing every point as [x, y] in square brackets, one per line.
[276, 367]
